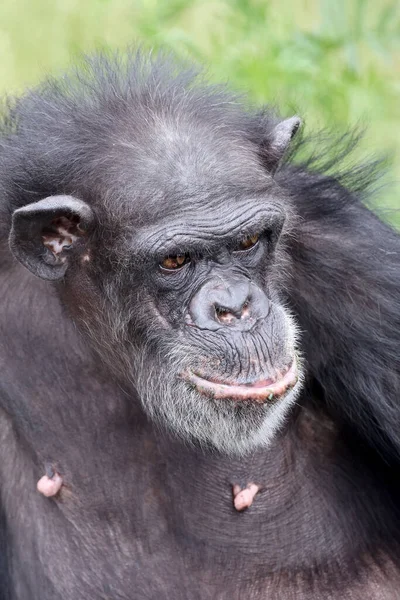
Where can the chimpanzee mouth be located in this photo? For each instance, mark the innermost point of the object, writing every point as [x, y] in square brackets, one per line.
[259, 391]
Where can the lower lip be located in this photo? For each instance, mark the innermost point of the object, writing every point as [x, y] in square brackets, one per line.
[257, 392]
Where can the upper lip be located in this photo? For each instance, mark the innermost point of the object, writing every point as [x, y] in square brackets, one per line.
[259, 391]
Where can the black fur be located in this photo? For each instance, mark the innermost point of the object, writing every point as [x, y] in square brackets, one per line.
[142, 514]
[346, 282]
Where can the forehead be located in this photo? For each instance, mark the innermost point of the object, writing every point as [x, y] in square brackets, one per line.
[195, 171]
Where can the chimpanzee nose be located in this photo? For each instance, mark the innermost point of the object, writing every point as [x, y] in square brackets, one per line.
[225, 302]
[231, 302]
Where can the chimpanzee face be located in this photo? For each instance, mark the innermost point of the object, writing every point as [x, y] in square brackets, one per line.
[177, 275]
[223, 367]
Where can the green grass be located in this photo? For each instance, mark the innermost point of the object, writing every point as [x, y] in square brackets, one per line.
[334, 62]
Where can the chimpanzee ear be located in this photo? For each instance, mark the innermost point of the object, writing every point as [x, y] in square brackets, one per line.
[277, 142]
[45, 234]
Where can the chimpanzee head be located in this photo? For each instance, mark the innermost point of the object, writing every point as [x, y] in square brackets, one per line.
[156, 213]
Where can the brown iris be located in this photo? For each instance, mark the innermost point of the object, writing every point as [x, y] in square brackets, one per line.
[172, 263]
[248, 242]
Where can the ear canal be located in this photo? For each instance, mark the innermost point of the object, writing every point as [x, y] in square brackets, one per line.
[44, 233]
[278, 142]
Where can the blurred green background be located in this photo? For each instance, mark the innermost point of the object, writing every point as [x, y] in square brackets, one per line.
[334, 62]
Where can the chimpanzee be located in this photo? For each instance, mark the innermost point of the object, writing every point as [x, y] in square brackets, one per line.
[200, 326]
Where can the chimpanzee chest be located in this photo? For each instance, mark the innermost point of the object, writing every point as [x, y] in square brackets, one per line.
[58, 555]
[131, 572]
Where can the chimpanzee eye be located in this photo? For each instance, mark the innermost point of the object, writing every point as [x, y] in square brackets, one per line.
[247, 243]
[173, 263]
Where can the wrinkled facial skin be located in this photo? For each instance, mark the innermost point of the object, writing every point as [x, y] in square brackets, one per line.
[196, 322]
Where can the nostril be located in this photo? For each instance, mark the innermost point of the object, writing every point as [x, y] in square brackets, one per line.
[245, 310]
[229, 315]
[224, 315]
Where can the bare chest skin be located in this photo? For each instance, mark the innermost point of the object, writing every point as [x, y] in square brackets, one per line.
[140, 516]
